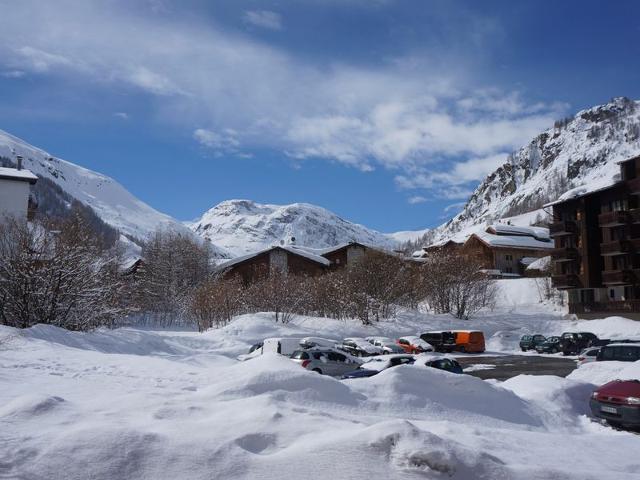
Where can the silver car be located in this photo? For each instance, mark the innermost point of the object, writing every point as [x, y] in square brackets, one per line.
[325, 361]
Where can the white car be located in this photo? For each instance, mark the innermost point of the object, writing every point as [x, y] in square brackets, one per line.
[282, 345]
[588, 355]
[387, 344]
[360, 347]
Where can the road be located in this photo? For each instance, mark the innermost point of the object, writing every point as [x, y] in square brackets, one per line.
[507, 366]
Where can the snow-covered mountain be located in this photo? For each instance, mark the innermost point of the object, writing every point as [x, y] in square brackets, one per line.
[112, 203]
[576, 151]
[242, 226]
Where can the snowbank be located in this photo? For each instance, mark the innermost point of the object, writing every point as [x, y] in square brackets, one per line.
[599, 373]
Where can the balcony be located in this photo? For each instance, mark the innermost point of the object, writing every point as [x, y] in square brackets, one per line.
[634, 186]
[562, 282]
[635, 215]
[619, 247]
[567, 227]
[565, 254]
[614, 219]
[619, 277]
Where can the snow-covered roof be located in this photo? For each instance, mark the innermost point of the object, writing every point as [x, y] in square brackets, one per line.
[583, 190]
[289, 248]
[513, 241]
[18, 175]
[506, 229]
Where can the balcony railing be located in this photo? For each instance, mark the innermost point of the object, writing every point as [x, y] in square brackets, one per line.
[634, 186]
[635, 215]
[616, 306]
[562, 282]
[567, 227]
[565, 254]
[614, 219]
[620, 247]
[619, 277]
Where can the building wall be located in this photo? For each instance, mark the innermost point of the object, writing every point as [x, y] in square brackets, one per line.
[342, 257]
[14, 198]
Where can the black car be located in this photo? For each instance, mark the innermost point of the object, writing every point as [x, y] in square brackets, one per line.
[530, 342]
[444, 342]
[573, 343]
[621, 352]
[550, 345]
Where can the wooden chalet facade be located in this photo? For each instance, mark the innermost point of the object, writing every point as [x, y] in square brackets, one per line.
[597, 247]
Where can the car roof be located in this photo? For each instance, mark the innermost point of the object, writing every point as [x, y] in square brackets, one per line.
[622, 344]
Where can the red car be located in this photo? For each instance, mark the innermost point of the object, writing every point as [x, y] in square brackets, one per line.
[618, 403]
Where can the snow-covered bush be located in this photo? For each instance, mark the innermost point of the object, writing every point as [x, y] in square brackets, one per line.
[58, 273]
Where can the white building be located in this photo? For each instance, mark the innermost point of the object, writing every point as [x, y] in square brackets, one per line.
[14, 192]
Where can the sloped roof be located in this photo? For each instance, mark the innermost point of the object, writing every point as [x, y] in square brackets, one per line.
[288, 248]
[512, 241]
[18, 175]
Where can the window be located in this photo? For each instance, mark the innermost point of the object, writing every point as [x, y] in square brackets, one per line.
[336, 357]
[612, 293]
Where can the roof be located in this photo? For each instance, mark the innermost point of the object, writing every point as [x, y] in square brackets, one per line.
[580, 192]
[7, 173]
[507, 229]
[541, 263]
[512, 241]
[288, 248]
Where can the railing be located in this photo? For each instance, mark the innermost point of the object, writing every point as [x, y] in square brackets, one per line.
[634, 186]
[617, 247]
[635, 215]
[616, 306]
[565, 254]
[567, 227]
[619, 277]
[565, 281]
[612, 219]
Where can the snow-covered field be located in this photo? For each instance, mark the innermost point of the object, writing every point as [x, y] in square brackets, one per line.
[144, 404]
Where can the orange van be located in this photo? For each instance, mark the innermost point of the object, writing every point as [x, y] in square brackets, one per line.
[469, 341]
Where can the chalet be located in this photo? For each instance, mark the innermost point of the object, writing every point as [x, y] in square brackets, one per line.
[284, 258]
[506, 250]
[597, 245]
[503, 250]
[15, 183]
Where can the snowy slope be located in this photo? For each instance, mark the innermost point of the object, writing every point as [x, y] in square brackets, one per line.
[579, 151]
[243, 226]
[111, 201]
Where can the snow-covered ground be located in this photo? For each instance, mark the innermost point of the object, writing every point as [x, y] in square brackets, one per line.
[145, 404]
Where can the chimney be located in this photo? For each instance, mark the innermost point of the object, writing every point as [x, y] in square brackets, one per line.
[19, 162]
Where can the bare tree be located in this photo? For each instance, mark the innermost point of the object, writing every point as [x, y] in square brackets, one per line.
[58, 273]
[216, 302]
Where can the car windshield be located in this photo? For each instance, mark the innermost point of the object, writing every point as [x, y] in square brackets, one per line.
[526, 338]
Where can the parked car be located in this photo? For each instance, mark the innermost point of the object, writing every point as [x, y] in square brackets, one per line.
[588, 355]
[359, 347]
[574, 342]
[618, 403]
[550, 345]
[529, 342]
[325, 361]
[442, 341]
[387, 344]
[378, 364]
[621, 352]
[469, 341]
[282, 345]
[412, 344]
[312, 342]
[440, 362]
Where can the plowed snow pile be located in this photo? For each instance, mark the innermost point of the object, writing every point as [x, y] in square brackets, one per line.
[139, 404]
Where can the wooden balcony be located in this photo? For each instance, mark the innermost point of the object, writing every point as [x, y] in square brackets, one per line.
[620, 247]
[563, 282]
[567, 227]
[619, 277]
[634, 215]
[634, 186]
[565, 254]
[616, 306]
[614, 219]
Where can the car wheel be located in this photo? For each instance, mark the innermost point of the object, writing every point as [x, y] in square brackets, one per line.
[524, 349]
[613, 424]
[317, 370]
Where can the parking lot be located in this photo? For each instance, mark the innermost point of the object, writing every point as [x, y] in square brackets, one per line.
[507, 366]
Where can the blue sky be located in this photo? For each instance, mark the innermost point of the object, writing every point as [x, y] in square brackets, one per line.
[387, 112]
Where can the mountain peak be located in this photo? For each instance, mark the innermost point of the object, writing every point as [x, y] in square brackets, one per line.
[242, 226]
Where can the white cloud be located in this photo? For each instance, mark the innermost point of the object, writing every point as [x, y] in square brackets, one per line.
[264, 18]
[420, 118]
[121, 115]
[416, 199]
[13, 74]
